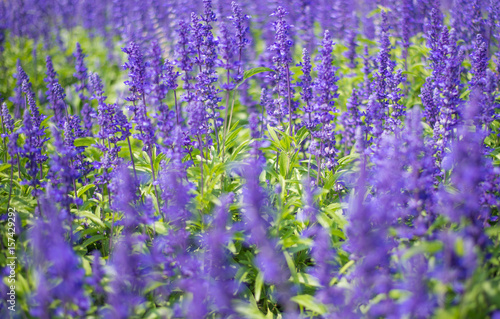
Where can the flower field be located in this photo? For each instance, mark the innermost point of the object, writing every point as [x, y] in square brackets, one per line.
[250, 159]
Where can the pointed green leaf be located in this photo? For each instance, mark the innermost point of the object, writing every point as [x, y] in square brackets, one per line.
[83, 189]
[92, 240]
[309, 302]
[259, 282]
[85, 141]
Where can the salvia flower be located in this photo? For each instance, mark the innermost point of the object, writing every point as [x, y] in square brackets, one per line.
[479, 61]
[18, 100]
[282, 58]
[307, 90]
[184, 52]
[30, 97]
[351, 119]
[63, 173]
[217, 258]
[55, 92]
[137, 73]
[59, 273]
[325, 89]
[81, 72]
[32, 150]
[7, 120]
[158, 90]
[269, 260]
[240, 22]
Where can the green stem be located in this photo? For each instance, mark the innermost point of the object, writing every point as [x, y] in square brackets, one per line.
[10, 189]
[201, 165]
[177, 107]
[111, 233]
[318, 159]
[231, 113]
[224, 127]
[131, 156]
[216, 135]
[290, 126]
[154, 182]
[18, 166]
[4, 142]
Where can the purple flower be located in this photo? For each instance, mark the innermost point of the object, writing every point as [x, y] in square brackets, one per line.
[325, 269]
[63, 173]
[420, 304]
[325, 85]
[205, 45]
[125, 199]
[451, 102]
[137, 88]
[55, 92]
[281, 59]
[32, 150]
[18, 100]
[470, 172]
[170, 75]
[227, 47]
[369, 246]
[137, 74]
[433, 29]
[305, 23]
[184, 52]
[30, 96]
[218, 260]
[98, 273]
[158, 89]
[310, 208]
[176, 190]
[406, 25]
[367, 66]
[351, 44]
[479, 60]
[60, 275]
[269, 259]
[81, 72]
[127, 281]
[7, 120]
[240, 21]
[325, 88]
[466, 19]
[453, 267]
[306, 84]
[166, 116]
[82, 76]
[351, 119]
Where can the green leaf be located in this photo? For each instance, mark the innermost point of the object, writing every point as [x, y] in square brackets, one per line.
[252, 72]
[249, 73]
[308, 280]
[291, 266]
[4, 166]
[272, 133]
[83, 189]
[85, 141]
[93, 239]
[346, 266]
[153, 285]
[378, 10]
[249, 311]
[92, 217]
[367, 41]
[259, 282]
[309, 302]
[429, 247]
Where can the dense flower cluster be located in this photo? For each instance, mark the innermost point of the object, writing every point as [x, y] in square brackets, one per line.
[321, 159]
